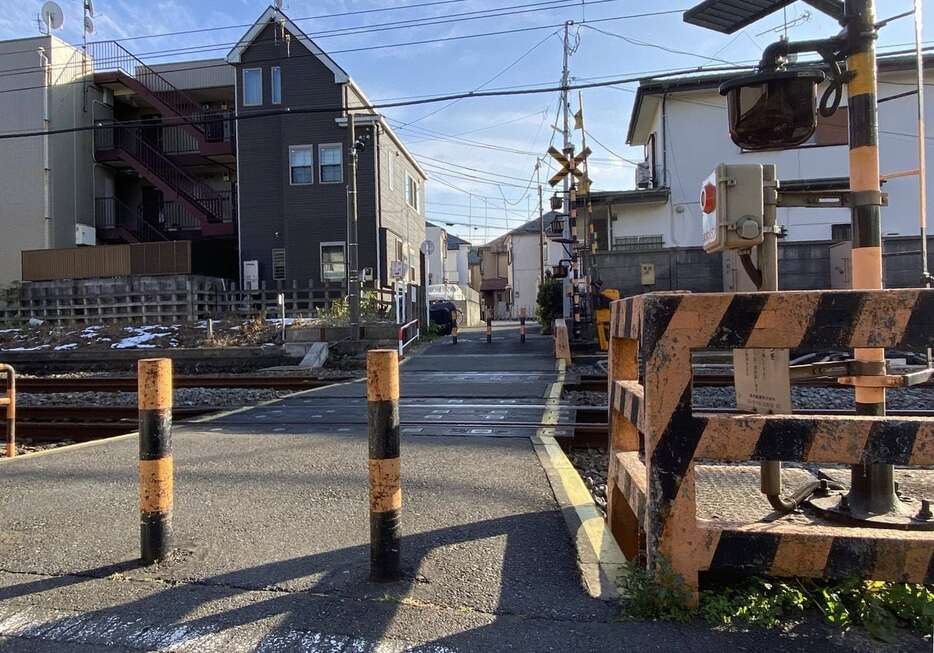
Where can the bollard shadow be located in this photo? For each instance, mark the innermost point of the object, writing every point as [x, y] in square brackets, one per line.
[535, 599]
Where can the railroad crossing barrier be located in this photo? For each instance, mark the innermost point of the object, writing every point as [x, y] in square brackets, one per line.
[562, 342]
[653, 494]
[408, 333]
[385, 489]
[156, 474]
[9, 400]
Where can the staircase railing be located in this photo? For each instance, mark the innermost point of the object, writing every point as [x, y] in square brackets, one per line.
[109, 55]
[111, 213]
[129, 140]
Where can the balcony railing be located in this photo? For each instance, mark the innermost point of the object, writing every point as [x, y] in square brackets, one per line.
[111, 213]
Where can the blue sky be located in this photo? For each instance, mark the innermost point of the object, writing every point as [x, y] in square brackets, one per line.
[495, 139]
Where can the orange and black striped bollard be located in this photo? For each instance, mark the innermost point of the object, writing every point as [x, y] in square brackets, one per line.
[156, 476]
[10, 401]
[454, 333]
[385, 487]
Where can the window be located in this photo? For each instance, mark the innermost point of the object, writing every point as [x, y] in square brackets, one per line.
[399, 255]
[300, 165]
[411, 191]
[392, 170]
[332, 261]
[252, 87]
[329, 164]
[841, 232]
[278, 265]
[276, 79]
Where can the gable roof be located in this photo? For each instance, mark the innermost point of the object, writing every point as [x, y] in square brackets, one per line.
[273, 15]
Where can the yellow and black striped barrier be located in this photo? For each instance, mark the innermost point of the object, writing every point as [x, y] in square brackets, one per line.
[156, 477]
[666, 328]
[10, 402]
[385, 488]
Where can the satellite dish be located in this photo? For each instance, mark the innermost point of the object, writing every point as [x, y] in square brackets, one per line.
[88, 25]
[52, 15]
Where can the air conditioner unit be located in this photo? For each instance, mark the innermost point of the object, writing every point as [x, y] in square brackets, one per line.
[85, 234]
[643, 175]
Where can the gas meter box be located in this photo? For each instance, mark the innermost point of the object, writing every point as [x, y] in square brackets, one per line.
[732, 206]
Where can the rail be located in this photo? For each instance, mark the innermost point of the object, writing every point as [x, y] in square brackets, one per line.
[111, 213]
[110, 55]
[403, 331]
[9, 400]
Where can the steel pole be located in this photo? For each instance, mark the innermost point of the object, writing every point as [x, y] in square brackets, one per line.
[353, 280]
[872, 486]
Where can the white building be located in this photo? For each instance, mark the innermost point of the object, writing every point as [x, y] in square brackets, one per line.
[528, 255]
[43, 178]
[437, 260]
[682, 124]
[456, 266]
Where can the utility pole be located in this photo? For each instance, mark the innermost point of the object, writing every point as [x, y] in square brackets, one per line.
[922, 160]
[568, 283]
[352, 268]
[541, 225]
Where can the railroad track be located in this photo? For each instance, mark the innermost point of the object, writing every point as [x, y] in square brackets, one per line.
[128, 384]
[594, 383]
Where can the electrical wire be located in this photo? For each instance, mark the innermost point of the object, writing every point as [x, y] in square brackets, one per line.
[447, 39]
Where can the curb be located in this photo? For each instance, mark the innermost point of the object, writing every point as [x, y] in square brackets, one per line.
[599, 558]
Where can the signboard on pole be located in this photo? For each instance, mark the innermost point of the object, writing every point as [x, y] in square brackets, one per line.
[762, 380]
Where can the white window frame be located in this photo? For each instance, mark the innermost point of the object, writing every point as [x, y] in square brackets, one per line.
[275, 84]
[412, 182]
[340, 149]
[331, 243]
[311, 150]
[252, 70]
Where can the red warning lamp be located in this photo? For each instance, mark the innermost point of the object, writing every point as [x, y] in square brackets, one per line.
[708, 198]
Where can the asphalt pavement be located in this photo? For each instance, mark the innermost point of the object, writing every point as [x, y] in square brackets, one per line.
[271, 532]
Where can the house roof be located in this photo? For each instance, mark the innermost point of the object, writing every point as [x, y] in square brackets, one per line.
[275, 15]
[455, 242]
[652, 90]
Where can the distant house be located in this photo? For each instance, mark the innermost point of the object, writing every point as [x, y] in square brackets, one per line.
[511, 267]
[456, 267]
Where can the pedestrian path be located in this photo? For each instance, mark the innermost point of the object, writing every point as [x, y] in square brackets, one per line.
[271, 526]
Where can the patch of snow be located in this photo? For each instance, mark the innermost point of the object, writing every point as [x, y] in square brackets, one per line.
[141, 336]
[9, 331]
[66, 346]
[35, 321]
[28, 348]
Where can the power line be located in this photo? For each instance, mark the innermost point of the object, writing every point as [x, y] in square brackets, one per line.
[368, 48]
[647, 44]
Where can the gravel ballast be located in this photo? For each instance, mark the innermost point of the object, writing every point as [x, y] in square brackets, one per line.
[214, 397]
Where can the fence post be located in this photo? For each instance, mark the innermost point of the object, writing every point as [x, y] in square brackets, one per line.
[489, 327]
[156, 475]
[385, 488]
[10, 411]
[454, 316]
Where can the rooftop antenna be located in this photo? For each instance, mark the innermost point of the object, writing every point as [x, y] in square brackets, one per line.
[51, 16]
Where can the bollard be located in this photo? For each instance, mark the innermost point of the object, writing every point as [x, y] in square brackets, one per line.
[454, 333]
[155, 459]
[10, 402]
[210, 330]
[489, 330]
[522, 325]
[385, 489]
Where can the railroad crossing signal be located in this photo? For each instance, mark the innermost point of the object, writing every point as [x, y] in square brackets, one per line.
[569, 165]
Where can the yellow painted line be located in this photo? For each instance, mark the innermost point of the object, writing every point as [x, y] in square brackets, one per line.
[599, 557]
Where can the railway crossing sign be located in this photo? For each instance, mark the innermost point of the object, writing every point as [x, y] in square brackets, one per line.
[569, 165]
